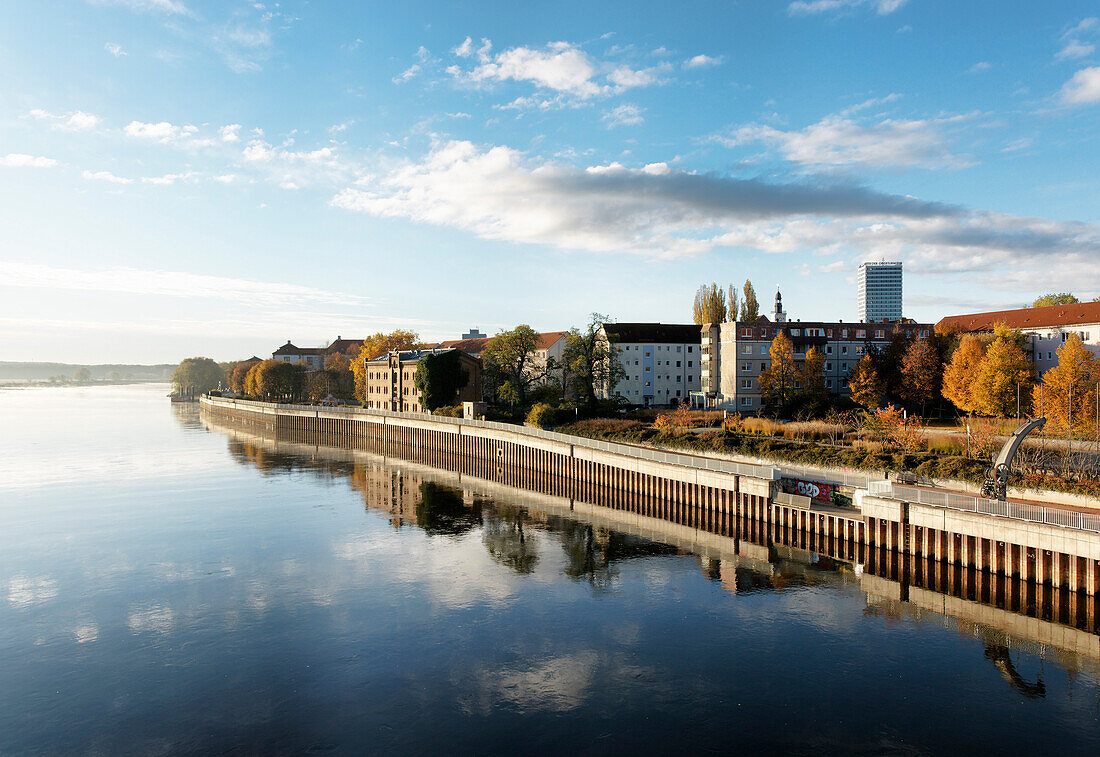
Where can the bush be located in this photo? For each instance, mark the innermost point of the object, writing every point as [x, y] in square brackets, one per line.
[449, 411]
[542, 415]
[608, 425]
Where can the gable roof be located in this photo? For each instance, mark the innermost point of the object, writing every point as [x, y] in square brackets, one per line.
[655, 333]
[342, 345]
[290, 349]
[545, 341]
[1051, 316]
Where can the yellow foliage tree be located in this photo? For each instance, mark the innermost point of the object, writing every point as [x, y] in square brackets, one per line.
[1068, 395]
[920, 372]
[812, 375]
[962, 371]
[372, 347]
[866, 386]
[778, 379]
[1003, 367]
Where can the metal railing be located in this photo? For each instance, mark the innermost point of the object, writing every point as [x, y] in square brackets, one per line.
[767, 473]
[1051, 516]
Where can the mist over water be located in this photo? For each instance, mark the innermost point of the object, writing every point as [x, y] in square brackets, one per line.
[169, 588]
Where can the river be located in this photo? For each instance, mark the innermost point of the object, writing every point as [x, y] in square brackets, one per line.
[167, 587]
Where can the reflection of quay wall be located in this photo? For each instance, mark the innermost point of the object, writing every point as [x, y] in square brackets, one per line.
[689, 489]
[1030, 614]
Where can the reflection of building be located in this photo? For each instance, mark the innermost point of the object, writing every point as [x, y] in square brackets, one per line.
[660, 360]
[391, 379]
[734, 354]
[879, 292]
[313, 357]
[1047, 328]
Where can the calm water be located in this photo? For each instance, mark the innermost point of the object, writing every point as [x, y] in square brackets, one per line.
[165, 588]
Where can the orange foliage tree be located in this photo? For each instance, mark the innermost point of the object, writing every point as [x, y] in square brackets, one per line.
[1068, 393]
[962, 371]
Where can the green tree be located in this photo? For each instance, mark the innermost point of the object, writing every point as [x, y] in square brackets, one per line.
[920, 373]
[777, 381]
[750, 306]
[865, 385]
[439, 379]
[592, 361]
[710, 305]
[511, 364]
[197, 374]
[317, 385]
[83, 374]
[731, 303]
[1004, 366]
[1055, 298]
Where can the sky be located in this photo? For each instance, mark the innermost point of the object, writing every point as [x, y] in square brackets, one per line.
[191, 177]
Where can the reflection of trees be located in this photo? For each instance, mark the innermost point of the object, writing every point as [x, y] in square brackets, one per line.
[998, 654]
[592, 552]
[503, 535]
[442, 512]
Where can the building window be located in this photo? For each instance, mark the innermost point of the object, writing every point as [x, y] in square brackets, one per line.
[843, 349]
[677, 379]
[647, 353]
[677, 392]
[690, 348]
[747, 349]
[828, 366]
[689, 379]
[689, 364]
[746, 366]
[796, 332]
[679, 348]
[746, 401]
[828, 349]
[844, 333]
[861, 333]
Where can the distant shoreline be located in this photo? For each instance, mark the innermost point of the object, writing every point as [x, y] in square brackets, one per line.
[43, 384]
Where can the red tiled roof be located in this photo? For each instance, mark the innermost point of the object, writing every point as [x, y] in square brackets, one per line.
[343, 345]
[546, 340]
[1050, 316]
[290, 349]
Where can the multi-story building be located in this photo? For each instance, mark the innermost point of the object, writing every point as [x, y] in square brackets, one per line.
[313, 358]
[879, 292]
[390, 382]
[1046, 328]
[661, 361]
[734, 354]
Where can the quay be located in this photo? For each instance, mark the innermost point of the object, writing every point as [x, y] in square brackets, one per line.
[1034, 545]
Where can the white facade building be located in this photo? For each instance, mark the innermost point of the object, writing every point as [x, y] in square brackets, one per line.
[661, 361]
[880, 292]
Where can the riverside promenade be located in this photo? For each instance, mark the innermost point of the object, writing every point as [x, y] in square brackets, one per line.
[1040, 545]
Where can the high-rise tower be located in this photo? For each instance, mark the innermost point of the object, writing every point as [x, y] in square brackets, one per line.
[879, 291]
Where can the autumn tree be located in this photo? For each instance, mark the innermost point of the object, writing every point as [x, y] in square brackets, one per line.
[777, 381]
[238, 373]
[1003, 367]
[197, 374]
[731, 303]
[811, 375]
[920, 372]
[865, 385]
[1055, 298]
[274, 380]
[961, 373]
[511, 364]
[1068, 393]
[337, 361]
[750, 306]
[592, 361]
[710, 305]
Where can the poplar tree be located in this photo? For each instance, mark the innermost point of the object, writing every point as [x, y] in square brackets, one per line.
[731, 303]
[710, 305]
[866, 386]
[961, 372]
[750, 307]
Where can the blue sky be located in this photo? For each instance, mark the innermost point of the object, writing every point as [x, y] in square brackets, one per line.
[189, 177]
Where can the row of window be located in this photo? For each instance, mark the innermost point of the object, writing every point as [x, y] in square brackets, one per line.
[659, 348]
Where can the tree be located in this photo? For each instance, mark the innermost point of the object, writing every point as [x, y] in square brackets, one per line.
[113, 376]
[731, 303]
[510, 363]
[865, 384]
[888, 362]
[1004, 365]
[238, 373]
[710, 305]
[337, 361]
[83, 374]
[197, 374]
[812, 377]
[274, 379]
[592, 361]
[1068, 395]
[439, 378]
[1055, 298]
[920, 373]
[317, 385]
[778, 379]
[750, 307]
[960, 374]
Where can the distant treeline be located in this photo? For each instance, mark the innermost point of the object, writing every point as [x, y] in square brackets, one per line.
[11, 371]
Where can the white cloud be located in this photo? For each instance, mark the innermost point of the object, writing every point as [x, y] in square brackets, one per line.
[623, 115]
[174, 7]
[229, 133]
[106, 176]
[171, 284]
[1074, 49]
[814, 7]
[114, 49]
[166, 133]
[1083, 88]
[168, 178]
[75, 121]
[979, 67]
[1017, 144]
[841, 141]
[702, 61]
[407, 74]
[665, 212]
[624, 77]
[559, 66]
[22, 160]
[1073, 41]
